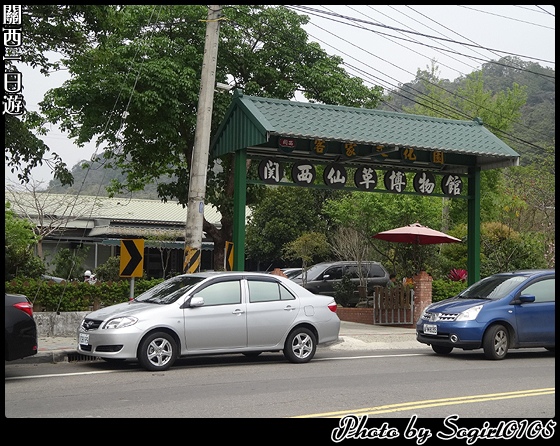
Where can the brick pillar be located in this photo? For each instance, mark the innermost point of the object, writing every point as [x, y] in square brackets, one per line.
[422, 293]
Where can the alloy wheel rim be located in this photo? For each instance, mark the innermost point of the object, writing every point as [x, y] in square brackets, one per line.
[159, 352]
[302, 346]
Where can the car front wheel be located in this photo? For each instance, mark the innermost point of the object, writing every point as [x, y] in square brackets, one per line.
[300, 346]
[496, 342]
[157, 352]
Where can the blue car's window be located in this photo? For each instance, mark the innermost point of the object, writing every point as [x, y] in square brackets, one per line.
[221, 293]
[169, 291]
[494, 287]
[543, 290]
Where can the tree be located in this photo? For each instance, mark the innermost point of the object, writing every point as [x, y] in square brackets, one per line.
[49, 29]
[350, 244]
[68, 264]
[499, 112]
[306, 248]
[530, 202]
[109, 271]
[20, 241]
[370, 213]
[274, 222]
[159, 241]
[135, 90]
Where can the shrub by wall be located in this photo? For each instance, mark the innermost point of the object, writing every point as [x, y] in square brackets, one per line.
[444, 288]
[76, 296]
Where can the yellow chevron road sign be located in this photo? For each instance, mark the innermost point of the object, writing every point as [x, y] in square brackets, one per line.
[132, 258]
[229, 256]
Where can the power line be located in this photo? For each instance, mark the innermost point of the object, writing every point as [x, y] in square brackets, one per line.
[455, 112]
[504, 17]
[353, 19]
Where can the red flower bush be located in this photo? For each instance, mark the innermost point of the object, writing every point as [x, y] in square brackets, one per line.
[457, 275]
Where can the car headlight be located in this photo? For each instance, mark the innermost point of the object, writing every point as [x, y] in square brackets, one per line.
[120, 322]
[470, 314]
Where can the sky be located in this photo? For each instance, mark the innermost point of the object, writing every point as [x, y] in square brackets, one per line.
[383, 44]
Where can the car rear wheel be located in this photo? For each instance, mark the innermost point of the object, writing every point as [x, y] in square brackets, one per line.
[157, 352]
[496, 342]
[300, 346]
[441, 350]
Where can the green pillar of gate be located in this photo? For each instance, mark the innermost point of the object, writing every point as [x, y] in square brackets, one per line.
[473, 226]
[239, 203]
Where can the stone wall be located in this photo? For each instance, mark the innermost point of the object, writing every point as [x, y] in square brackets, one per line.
[51, 323]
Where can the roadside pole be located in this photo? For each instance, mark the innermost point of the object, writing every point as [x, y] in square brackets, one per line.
[199, 161]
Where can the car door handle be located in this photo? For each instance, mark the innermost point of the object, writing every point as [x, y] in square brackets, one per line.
[238, 311]
[289, 308]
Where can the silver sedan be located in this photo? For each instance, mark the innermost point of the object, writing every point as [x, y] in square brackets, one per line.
[211, 313]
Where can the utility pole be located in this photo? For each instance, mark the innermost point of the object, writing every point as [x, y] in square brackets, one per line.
[199, 161]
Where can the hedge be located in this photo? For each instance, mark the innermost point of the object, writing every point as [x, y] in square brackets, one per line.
[83, 296]
[76, 296]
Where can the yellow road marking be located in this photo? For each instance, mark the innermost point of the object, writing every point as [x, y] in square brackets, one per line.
[431, 403]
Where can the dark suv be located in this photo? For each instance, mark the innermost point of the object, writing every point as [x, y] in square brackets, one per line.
[322, 277]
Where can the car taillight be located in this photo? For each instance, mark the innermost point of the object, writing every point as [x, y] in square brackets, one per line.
[26, 307]
[332, 306]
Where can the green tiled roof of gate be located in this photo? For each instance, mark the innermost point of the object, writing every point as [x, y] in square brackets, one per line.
[250, 120]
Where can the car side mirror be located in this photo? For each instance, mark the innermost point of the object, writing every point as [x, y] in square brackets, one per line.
[524, 298]
[326, 276]
[196, 301]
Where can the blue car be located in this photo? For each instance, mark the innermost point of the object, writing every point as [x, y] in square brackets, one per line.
[501, 312]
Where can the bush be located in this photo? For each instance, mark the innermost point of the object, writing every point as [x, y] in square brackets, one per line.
[444, 288]
[74, 295]
[344, 291]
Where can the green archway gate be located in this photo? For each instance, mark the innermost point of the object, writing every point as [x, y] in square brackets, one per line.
[379, 146]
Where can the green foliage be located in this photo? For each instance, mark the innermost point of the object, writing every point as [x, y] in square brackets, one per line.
[20, 239]
[370, 213]
[273, 222]
[110, 270]
[68, 264]
[503, 249]
[76, 295]
[307, 247]
[444, 288]
[157, 105]
[63, 29]
[344, 291]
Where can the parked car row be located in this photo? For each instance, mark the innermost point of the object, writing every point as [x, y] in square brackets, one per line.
[251, 313]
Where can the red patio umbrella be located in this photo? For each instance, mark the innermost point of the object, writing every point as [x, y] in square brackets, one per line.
[416, 234]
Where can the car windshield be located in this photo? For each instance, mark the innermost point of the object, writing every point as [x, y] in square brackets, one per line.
[292, 273]
[493, 287]
[313, 272]
[169, 291]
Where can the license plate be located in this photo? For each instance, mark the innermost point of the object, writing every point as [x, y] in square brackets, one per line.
[84, 339]
[430, 329]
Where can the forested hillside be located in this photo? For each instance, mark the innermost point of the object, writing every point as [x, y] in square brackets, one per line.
[529, 137]
[536, 127]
